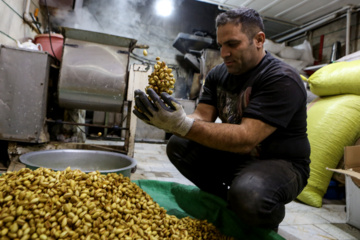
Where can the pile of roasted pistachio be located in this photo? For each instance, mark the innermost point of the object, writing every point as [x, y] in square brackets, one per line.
[70, 204]
[161, 79]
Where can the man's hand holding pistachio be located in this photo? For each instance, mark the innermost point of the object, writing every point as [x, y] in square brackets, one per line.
[162, 111]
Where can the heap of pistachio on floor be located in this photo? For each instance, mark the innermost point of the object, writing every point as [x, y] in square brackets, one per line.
[71, 204]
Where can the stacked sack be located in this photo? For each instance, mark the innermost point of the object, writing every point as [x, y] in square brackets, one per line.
[298, 56]
[333, 123]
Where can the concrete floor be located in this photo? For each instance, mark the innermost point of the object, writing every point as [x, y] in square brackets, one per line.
[302, 222]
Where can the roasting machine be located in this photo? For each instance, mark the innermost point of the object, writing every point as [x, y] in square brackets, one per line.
[48, 103]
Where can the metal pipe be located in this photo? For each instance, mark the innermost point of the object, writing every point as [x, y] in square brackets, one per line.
[323, 21]
[283, 33]
[313, 24]
[27, 16]
[307, 24]
[28, 19]
[86, 124]
[348, 25]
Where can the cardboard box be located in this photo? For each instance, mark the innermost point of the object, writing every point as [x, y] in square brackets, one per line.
[352, 184]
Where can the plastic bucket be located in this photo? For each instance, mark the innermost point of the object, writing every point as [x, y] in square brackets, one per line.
[57, 42]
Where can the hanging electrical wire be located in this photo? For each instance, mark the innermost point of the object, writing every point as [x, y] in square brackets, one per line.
[49, 26]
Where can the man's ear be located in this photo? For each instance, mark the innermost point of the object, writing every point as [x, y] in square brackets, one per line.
[259, 39]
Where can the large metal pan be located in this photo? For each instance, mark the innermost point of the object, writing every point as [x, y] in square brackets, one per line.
[84, 160]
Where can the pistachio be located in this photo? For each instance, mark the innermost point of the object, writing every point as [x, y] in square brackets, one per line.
[44, 204]
[161, 79]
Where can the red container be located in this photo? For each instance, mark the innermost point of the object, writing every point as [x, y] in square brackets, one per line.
[57, 42]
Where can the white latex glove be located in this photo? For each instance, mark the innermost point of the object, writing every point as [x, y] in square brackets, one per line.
[171, 118]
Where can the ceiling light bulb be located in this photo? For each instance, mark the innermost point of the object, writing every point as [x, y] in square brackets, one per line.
[164, 7]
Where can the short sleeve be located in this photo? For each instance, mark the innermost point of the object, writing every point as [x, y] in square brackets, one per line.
[277, 101]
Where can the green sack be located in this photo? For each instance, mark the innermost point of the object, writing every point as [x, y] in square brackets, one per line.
[336, 78]
[333, 123]
[183, 200]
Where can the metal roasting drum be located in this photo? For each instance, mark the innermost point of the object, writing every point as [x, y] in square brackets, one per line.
[93, 72]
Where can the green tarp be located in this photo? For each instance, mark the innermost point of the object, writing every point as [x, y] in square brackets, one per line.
[184, 200]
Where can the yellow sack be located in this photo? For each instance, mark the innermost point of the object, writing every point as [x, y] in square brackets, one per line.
[336, 78]
[333, 123]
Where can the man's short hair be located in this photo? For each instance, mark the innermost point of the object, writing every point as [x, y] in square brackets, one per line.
[250, 20]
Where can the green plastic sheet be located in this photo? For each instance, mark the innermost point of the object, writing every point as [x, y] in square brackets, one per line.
[184, 200]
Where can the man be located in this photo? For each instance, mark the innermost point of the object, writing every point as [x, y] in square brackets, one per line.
[257, 159]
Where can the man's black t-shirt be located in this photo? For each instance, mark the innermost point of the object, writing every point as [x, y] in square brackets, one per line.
[272, 92]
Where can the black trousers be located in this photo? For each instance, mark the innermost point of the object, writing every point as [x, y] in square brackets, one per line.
[256, 190]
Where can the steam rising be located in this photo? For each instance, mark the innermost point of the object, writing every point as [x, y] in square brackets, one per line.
[137, 19]
[109, 16]
[118, 17]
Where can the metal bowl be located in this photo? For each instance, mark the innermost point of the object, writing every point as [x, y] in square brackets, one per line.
[84, 160]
